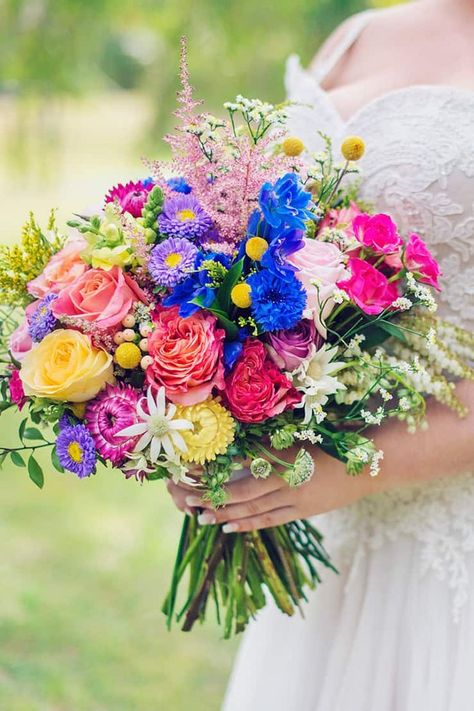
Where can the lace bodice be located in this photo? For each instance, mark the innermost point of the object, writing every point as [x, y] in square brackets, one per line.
[418, 167]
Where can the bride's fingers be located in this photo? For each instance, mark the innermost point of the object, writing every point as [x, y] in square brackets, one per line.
[179, 495]
[277, 517]
[233, 512]
[242, 490]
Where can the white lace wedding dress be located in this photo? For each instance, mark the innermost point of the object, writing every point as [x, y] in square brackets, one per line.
[395, 630]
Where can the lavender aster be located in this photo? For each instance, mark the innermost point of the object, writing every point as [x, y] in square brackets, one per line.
[183, 216]
[42, 321]
[76, 450]
[172, 260]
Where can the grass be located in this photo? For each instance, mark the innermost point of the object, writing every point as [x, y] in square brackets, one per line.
[84, 565]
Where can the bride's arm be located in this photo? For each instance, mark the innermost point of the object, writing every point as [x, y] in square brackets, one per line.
[445, 448]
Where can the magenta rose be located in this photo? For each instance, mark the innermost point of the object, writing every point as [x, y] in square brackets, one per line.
[289, 348]
[377, 232]
[368, 288]
[256, 389]
[418, 259]
[17, 393]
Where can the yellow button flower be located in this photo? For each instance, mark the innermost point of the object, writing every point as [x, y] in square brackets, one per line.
[213, 430]
[353, 148]
[240, 295]
[66, 366]
[255, 248]
[292, 146]
[128, 356]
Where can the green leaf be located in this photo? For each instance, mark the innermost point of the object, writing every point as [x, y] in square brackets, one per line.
[393, 330]
[17, 459]
[229, 326]
[3, 456]
[21, 428]
[35, 472]
[5, 406]
[230, 280]
[55, 461]
[32, 433]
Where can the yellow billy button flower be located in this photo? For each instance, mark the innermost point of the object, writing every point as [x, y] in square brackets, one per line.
[353, 148]
[128, 356]
[212, 433]
[293, 146]
[255, 248]
[240, 296]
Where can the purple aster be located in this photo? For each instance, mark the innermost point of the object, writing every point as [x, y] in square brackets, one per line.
[172, 260]
[110, 412]
[42, 321]
[183, 216]
[76, 450]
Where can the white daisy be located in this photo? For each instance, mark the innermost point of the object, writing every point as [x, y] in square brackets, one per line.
[314, 377]
[158, 428]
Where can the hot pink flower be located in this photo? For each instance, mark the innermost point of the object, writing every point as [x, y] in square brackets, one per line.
[20, 340]
[419, 259]
[256, 389]
[187, 355]
[110, 412]
[131, 197]
[377, 232]
[61, 270]
[341, 219]
[102, 297]
[368, 288]
[17, 393]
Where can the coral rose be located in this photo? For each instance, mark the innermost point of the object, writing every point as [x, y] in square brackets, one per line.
[256, 389]
[104, 297]
[187, 355]
[66, 366]
[369, 288]
[62, 269]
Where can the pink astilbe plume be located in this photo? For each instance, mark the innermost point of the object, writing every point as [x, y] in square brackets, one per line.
[225, 171]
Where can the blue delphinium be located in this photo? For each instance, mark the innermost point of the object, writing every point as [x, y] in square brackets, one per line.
[179, 185]
[196, 285]
[275, 258]
[285, 203]
[42, 321]
[276, 303]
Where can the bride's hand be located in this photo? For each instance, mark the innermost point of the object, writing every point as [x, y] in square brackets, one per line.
[261, 503]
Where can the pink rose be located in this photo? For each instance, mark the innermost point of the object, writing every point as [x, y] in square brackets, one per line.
[17, 393]
[104, 297]
[289, 348]
[256, 389]
[187, 355]
[377, 232]
[341, 219]
[322, 262]
[419, 259]
[368, 288]
[61, 270]
[20, 340]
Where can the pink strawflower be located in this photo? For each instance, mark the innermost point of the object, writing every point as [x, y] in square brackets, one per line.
[17, 393]
[131, 196]
[377, 232]
[368, 288]
[109, 413]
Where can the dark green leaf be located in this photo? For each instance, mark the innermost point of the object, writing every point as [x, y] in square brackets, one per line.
[4, 406]
[230, 280]
[32, 433]
[229, 326]
[35, 472]
[35, 417]
[17, 459]
[21, 428]
[393, 330]
[55, 461]
[3, 456]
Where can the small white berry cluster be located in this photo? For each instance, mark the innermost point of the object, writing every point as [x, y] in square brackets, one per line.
[138, 333]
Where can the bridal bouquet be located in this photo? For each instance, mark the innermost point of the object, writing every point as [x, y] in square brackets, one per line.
[239, 301]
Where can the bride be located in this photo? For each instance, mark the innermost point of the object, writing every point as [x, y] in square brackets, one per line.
[395, 630]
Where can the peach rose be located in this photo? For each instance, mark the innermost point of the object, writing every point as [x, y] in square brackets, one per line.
[104, 297]
[320, 263]
[61, 270]
[187, 355]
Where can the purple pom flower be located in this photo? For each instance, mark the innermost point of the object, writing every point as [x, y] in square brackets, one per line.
[183, 216]
[42, 321]
[172, 260]
[76, 451]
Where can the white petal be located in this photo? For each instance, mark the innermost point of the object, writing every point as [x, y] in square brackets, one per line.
[181, 425]
[179, 441]
[171, 411]
[150, 401]
[133, 430]
[155, 449]
[143, 441]
[161, 401]
[144, 415]
[168, 446]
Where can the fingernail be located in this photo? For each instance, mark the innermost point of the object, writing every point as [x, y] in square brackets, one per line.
[193, 501]
[206, 519]
[230, 528]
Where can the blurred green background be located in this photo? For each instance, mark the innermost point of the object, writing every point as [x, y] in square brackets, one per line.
[85, 89]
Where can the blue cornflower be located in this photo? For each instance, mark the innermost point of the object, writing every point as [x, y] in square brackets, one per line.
[179, 185]
[285, 203]
[42, 321]
[276, 303]
[76, 450]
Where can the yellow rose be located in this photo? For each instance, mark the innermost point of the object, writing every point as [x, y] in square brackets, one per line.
[66, 366]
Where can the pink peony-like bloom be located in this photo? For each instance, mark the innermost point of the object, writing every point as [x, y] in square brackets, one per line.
[102, 297]
[131, 197]
[323, 263]
[288, 349]
[187, 355]
[17, 393]
[419, 259]
[377, 232]
[110, 412]
[256, 389]
[62, 269]
[368, 288]
[341, 219]
[20, 342]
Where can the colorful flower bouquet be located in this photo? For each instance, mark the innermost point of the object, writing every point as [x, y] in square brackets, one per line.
[237, 302]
